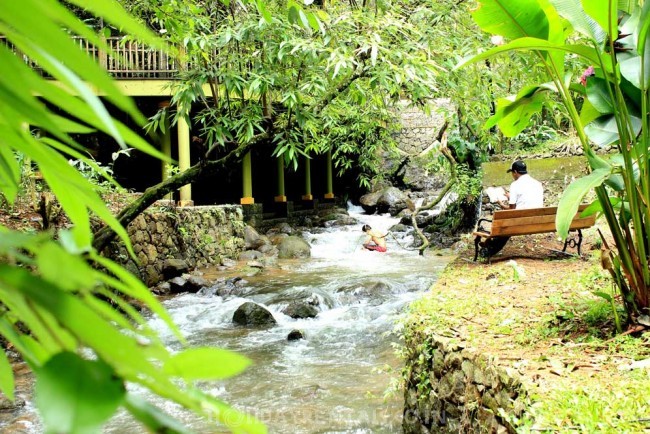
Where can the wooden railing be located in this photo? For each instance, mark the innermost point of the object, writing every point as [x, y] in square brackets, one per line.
[126, 60]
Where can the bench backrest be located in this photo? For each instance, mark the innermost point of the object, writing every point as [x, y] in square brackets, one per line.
[534, 221]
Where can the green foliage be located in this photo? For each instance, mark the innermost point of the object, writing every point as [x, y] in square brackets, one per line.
[614, 98]
[58, 310]
[303, 79]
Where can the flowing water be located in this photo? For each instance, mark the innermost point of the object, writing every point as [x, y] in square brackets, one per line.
[334, 380]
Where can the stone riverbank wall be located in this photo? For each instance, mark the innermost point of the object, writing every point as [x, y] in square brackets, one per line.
[200, 236]
[453, 389]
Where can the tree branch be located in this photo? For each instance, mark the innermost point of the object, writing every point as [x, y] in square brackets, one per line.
[441, 195]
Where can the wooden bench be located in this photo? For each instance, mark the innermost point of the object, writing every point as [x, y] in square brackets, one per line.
[508, 223]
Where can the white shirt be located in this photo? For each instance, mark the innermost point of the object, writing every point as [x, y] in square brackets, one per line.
[526, 192]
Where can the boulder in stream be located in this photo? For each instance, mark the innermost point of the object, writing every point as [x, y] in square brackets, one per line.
[293, 247]
[173, 268]
[252, 314]
[295, 335]
[300, 310]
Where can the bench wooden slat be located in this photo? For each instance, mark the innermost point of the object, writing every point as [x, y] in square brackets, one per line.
[537, 228]
[502, 223]
[528, 212]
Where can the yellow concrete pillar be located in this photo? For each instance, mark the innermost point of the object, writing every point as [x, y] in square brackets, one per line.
[183, 131]
[329, 180]
[247, 180]
[307, 195]
[166, 145]
[281, 197]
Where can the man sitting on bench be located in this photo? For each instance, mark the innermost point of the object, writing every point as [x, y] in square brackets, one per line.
[525, 191]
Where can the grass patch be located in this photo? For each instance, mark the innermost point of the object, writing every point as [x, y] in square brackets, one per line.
[620, 406]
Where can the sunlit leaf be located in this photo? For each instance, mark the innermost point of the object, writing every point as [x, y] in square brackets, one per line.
[206, 363]
[153, 418]
[6, 376]
[75, 395]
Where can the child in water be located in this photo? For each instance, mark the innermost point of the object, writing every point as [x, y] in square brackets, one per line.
[376, 241]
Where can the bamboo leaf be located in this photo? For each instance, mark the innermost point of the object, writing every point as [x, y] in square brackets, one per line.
[206, 363]
[75, 395]
[129, 285]
[261, 7]
[153, 418]
[9, 174]
[52, 261]
[6, 376]
[572, 197]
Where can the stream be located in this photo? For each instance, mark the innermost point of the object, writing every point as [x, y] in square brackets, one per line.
[336, 379]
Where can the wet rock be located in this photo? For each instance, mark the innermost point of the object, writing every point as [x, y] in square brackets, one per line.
[252, 239]
[369, 201]
[26, 424]
[399, 228]
[295, 335]
[343, 221]
[293, 247]
[162, 288]
[231, 287]
[268, 250]
[300, 310]
[6, 404]
[250, 255]
[173, 268]
[283, 228]
[392, 200]
[177, 285]
[254, 315]
[255, 264]
[277, 238]
[229, 263]
[187, 283]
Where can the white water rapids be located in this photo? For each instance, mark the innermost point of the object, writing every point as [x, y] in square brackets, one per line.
[334, 380]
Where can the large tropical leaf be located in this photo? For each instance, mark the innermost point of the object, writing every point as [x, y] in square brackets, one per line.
[598, 94]
[573, 11]
[604, 131]
[589, 54]
[513, 114]
[572, 197]
[604, 12]
[512, 19]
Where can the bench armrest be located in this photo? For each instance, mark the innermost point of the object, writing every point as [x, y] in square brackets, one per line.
[479, 227]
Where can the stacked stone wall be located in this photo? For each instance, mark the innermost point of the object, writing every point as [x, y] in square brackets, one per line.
[452, 389]
[200, 236]
[419, 129]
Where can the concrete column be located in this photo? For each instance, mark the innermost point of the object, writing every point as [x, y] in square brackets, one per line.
[281, 196]
[183, 130]
[329, 194]
[307, 195]
[247, 180]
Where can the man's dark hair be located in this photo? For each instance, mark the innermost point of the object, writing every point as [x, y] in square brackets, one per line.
[366, 228]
